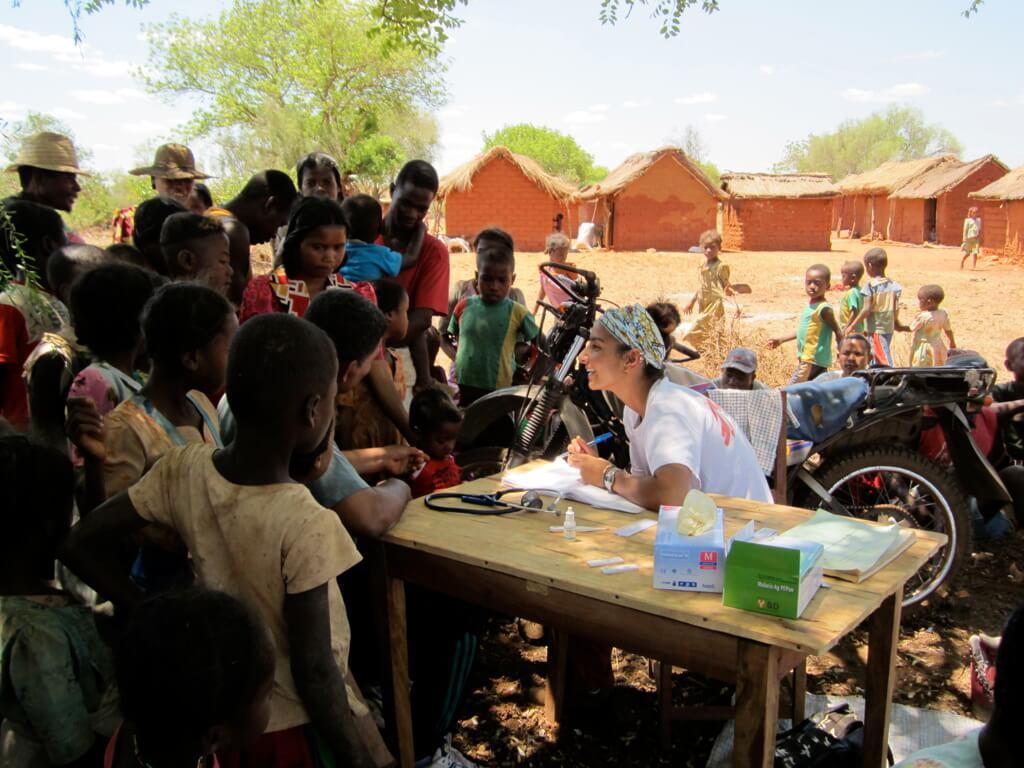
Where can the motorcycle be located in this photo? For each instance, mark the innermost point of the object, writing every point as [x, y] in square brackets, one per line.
[869, 467]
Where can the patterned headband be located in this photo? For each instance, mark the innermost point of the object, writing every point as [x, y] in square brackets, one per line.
[633, 326]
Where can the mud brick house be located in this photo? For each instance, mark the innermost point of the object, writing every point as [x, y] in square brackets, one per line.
[502, 189]
[863, 204]
[931, 207]
[658, 199]
[777, 212]
[1001, 205]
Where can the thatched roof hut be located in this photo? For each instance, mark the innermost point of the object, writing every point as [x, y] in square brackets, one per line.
[778, 185]
[777, 212]
[1010, 187]
[659, 199]
[931, 207]
[504, 189]
[1002, 214]
[890, 176]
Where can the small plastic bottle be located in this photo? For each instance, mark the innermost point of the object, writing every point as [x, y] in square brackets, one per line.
[569, 524]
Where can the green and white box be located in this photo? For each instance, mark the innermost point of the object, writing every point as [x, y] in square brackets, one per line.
[777, 576]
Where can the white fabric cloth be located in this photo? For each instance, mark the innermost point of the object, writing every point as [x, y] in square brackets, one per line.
[962, 753]
[682, 427]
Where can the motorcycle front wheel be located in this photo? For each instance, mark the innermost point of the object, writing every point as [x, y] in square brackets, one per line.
[892, 484]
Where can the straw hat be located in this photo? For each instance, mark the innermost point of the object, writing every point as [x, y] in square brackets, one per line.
[172, 161]
[49, 151]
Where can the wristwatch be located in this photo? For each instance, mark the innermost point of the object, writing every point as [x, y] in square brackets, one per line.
[608, 478]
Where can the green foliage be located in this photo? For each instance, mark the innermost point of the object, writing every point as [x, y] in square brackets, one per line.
[712, 172]
[669, 13]
[558, 153]
[899, 133]
[276, 80]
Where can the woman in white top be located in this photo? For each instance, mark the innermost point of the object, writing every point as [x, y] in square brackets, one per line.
[678, 439]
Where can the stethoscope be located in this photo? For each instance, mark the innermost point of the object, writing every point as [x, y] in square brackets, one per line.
[494, 503]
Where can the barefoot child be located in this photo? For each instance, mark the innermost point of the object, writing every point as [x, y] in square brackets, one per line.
[881, 307]
[816, 329]
[927, 348]
[971, 245]
[493, 331]
[709, 299]
[195, 672]
[852, 299]
[258, 535]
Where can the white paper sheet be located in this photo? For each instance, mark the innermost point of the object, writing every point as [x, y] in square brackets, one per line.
[560, 477]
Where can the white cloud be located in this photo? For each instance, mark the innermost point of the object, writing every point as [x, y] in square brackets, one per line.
[598, 108]
[106, 98]
[582, 117]
[11, 110]
[767, 69]
[630, 104]
[1000, 103]
[144, 126]
[892, 93]
[26, 40]
[63, 113]
[715, 117]
[698, 98]
[29, 66]
[930, 55]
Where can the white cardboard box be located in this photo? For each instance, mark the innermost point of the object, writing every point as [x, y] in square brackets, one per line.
[691, 563]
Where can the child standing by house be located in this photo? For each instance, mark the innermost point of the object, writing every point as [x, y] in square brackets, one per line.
[971, 245]
[435, 421]
[364, 259]
[927, 348]
[852, 299]
[816, 330]
[881, 307]
[255, 532]
[492, 332]
[553, 292]
[709, 299]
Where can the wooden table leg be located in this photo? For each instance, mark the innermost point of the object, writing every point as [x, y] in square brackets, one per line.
[883, 640]
[398, 644]
[757, 705]
[558, 669]
[800, 693]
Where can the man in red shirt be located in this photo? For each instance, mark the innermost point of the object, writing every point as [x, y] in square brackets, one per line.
[425, 266]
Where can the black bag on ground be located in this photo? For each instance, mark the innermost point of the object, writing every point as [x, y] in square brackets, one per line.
[833, 738]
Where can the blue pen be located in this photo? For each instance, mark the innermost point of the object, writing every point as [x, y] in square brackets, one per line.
[596, 441]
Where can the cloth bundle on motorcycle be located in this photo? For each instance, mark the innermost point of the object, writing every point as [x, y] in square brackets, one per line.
[819, 410]
[833, 738]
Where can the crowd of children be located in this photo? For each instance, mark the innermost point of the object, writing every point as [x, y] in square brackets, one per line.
[174, 406]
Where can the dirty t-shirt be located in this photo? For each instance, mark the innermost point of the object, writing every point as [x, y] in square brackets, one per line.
[885, 297]
[488, 334]
[257, 543]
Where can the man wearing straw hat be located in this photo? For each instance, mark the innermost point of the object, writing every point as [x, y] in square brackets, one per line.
[173, 172]
[47, 166]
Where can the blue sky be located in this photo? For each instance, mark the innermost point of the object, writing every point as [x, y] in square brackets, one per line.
[751, 77]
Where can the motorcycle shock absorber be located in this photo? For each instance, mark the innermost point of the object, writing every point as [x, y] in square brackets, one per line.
[547, 403]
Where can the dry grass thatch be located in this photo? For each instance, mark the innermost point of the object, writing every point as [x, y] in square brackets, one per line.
[941, 179]
[461, 179]
[890, 176]
[1010, 187]
[779, 185]
[635, 166]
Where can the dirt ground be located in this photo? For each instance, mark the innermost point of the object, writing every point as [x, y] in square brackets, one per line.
[505, 725]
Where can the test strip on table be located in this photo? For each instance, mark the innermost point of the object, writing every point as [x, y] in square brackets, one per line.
[620, 568]
[603, 561]
[633, 528]
[579, 528]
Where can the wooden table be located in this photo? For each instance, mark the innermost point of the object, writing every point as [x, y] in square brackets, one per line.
[513, 564]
